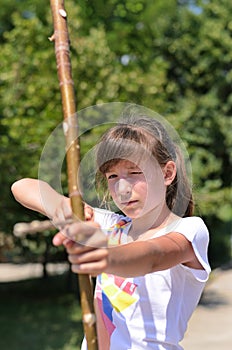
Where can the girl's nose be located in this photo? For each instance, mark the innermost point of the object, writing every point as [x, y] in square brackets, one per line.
[123, 189]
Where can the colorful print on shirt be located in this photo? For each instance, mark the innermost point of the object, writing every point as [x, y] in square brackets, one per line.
[116, 233]
[113, 292]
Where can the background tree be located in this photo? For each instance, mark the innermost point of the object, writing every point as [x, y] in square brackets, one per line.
[171, 56]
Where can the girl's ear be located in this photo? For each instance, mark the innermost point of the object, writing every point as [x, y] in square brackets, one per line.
[169, 172]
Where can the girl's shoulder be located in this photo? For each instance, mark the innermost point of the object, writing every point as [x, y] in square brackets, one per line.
[188, 226]
[192, 223]
[193, 228]
[196, 221]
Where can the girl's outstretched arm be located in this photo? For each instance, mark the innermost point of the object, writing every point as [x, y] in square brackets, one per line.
[132, 259]
[129, 260]
[38, 195]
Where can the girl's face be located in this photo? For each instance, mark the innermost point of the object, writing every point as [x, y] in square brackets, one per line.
[137, 189]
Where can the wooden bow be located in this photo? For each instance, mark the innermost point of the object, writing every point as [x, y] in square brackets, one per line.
[62, 52]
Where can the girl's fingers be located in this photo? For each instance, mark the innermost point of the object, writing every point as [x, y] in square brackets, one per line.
[66, 207]
[84, 255]
[89, 212]
[58, 217]
[81, 228]
[88, 234]
[84, 258]
[92, 262]
[63, 211]
[92, 269]
[59, 239]
[77, 249]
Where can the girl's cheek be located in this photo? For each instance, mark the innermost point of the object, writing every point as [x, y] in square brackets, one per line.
[111, 188]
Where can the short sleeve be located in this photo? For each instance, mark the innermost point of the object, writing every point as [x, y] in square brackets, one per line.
[195, 230]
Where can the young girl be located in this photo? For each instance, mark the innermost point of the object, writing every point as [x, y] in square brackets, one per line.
[151, 275]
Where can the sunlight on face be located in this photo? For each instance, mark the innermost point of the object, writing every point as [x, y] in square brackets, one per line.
[136, 189]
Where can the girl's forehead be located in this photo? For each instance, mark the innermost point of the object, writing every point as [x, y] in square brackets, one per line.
[125, 164]
[144, 165]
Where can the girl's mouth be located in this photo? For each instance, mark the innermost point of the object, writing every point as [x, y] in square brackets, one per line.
[129, 204]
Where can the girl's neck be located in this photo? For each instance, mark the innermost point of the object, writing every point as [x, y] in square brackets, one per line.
[151, 221]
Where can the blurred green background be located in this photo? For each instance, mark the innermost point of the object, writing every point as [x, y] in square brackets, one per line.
[172, 56]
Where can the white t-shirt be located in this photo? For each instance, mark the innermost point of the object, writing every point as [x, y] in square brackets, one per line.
[152, 311]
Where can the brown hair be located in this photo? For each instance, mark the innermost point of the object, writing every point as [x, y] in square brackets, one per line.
[136, 138]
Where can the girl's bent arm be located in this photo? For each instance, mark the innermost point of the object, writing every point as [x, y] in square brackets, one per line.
[37, 195]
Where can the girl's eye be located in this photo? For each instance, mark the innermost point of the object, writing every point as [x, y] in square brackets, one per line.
[111, 176]
[136, 172]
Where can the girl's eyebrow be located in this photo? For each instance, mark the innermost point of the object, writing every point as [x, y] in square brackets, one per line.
[132, 167]
[111, 170]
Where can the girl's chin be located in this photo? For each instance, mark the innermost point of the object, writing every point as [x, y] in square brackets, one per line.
[138, 214]
[133, 214]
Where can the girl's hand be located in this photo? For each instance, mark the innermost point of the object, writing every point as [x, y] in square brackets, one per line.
[64, 212]
[86, 245]
[89, 212]
[85, 259]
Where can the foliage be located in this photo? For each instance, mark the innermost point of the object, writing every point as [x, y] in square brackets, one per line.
[171, 56]
[39, 314]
